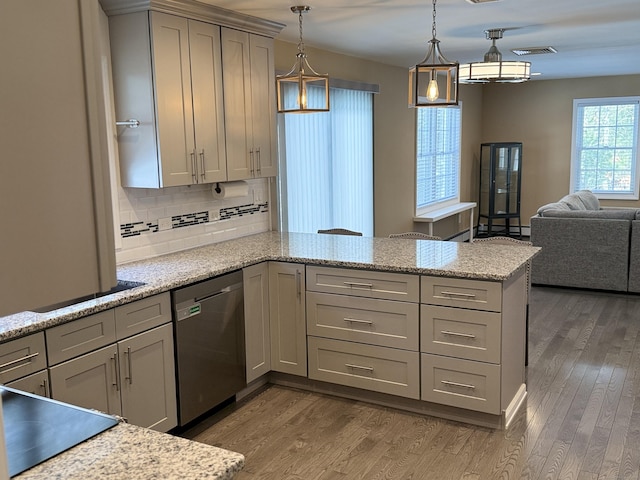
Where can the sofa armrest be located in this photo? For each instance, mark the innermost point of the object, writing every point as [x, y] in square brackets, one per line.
[581, 252]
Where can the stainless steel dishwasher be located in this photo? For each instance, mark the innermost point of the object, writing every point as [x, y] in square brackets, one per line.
[210, 351]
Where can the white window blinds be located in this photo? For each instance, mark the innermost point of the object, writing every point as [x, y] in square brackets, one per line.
[437, 157]
[327, 166]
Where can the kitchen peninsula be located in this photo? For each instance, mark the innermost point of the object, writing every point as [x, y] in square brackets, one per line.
[441, 280]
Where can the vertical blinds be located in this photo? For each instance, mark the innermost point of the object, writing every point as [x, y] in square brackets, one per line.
[328, 164]
[437, 156]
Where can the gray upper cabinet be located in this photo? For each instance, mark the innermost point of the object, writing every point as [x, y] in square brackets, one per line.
[167, 75]
[57, 227]
[249, 89]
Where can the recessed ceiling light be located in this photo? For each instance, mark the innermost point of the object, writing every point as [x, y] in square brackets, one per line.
[534, 50]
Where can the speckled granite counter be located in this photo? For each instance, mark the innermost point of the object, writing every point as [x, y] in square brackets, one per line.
[130, 452]
[481, 261]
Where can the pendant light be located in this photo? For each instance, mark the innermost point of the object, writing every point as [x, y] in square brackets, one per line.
[434, 82]
[311, 88]
[493, 68]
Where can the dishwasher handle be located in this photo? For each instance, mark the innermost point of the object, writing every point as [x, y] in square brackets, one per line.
[193, 306]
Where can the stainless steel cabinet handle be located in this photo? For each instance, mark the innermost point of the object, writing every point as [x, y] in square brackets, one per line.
[193, 166]
[298, 283]
[356, 320]
[259, 163]
[131, 123]
[458, 294]
[251, 161]
[18, 360]
[455, 384]
[127, 354]
[456, 334]
[358, 285]
[358, 367]
[116, 371]
[203, 172]
[45, 387]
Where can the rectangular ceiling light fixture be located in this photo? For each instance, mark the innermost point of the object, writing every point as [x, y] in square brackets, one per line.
[534, 50]
[482, 1]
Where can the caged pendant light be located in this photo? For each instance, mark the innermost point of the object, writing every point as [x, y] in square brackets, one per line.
[302, 90]
[434, 82]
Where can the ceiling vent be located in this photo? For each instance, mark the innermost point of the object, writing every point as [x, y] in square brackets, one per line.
[482, 1]
[534, 50]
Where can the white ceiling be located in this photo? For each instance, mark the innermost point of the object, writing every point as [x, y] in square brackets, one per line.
[592, 37]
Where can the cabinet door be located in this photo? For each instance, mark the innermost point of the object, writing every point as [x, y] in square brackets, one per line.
[237, 104]
[256, 320]
[147, 372]
[38, 384]
[89, 381]
[208, 107]
[263, 114]
[174, 107]
[287, 315]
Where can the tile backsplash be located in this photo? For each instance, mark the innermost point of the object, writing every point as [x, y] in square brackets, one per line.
[158, 221]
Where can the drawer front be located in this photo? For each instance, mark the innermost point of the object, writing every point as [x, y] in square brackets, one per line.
[36, 383]
[365, 320]
[80, 336]
[458, 292]
[460, 333]
[362, 283]
[379, 369]
[22, 357]
[461, 383]
[141, 315]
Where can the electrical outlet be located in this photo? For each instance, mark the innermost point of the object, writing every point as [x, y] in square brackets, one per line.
[257, 197]
[214, 214]
[165, 224]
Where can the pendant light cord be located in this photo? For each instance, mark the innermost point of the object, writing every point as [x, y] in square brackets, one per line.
[433, 25]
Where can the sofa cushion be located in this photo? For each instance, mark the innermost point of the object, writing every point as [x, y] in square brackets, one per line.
[614, 213]
[588, 199]
[552, 207]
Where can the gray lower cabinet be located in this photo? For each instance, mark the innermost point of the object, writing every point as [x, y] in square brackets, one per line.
[256, 317]
[23, 364]
[287, 318]
[98, 362]
[360, 335]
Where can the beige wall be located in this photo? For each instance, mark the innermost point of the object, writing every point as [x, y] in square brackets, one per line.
[394, 137]
[539, 114]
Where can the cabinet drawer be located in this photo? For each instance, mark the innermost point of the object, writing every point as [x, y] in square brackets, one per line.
[366, 320]
[461, 333]
[22, 357]
[141, 315]
[458, 292]
[362, 283]
[461, 383]
[380, 369]
[80, 336]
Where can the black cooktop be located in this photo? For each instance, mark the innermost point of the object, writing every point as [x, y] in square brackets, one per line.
[38, 428]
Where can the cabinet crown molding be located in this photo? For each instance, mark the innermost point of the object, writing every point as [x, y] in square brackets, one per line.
[198, 11]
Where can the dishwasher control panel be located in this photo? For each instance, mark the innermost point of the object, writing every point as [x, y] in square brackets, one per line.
[187, 310]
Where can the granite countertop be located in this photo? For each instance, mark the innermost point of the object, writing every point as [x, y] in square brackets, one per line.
[482, 261]
[130, 452]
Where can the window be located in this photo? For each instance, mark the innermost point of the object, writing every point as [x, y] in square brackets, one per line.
[326, 170]
[604, 153]
[437, 158]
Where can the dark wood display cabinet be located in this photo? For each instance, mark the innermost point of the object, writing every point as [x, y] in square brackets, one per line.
[500, 180]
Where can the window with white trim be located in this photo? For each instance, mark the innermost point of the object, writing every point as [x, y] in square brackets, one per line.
[604, 151]
[437, 157]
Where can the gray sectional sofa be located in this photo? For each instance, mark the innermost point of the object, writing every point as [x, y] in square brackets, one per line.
[585, 245]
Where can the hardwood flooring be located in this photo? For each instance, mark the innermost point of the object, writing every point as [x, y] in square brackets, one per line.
[581, 421]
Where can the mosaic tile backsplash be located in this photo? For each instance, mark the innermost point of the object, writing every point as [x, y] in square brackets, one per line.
[158, 221]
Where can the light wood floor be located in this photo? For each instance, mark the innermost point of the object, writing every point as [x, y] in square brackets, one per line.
[581, 421]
